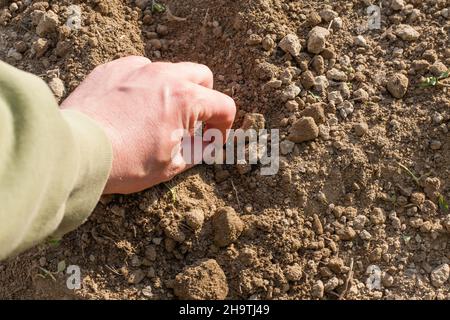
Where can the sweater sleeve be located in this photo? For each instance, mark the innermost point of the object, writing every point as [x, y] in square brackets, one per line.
[53, 164]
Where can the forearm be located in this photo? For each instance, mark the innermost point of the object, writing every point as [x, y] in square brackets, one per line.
[53, 165]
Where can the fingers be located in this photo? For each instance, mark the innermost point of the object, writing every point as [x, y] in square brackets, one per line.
[214, 108]
[185, 71]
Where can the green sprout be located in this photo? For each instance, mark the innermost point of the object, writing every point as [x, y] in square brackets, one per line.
[416, 180]
[173, 193]
[443, 204]
[435, 81]
[54, 242]
[158, 7]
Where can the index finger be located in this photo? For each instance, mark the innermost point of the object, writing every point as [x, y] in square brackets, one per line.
[197, 73]
[214, 108]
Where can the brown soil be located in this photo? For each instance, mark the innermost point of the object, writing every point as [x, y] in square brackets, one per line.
[340, 203]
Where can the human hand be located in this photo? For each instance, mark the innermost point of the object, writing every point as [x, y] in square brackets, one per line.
[139, 105]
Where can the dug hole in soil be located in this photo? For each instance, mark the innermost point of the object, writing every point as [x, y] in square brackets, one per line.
[359, 209]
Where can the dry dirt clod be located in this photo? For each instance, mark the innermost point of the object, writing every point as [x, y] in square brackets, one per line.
[317, 39]
[303, 130]
[255, 121]
[440, 275]
[294, 272]
[291, 44]
[398, 85]
[204, 280]
[136, 276]
[315, 111]
[227, 226]
[47, 24]
[407, 33]
[361, 129]
[290, 92]
[318, 289]
[195, 219]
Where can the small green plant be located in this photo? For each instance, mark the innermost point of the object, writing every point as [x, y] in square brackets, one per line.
[158, 7]
[436, 81]
[443, 204]
[46, 273]
[173, 192]
[409, 172]
[54, 242]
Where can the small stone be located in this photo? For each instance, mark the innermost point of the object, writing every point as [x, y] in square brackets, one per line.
[254, 39]
[398, 85]
[291, 44]
[337, 23]
[58, 88]
[47, 24]
[361, 129]
[136, 276]
[318, 64]
[315, 111]
[204, 280]
[335, 98]
[294, 272]
[377, 216]
[290, 92]
[438, 68]
[307, 79]
[314, 19]
[440, 275]
[337, 75]
[292, 105]
[387, 280]
[12, 53]
[227, 226]
[317, 290]
[268, 44]
[435, 145]
[346, 233]
[407, 33]
[13, 7]
[253, 121]
[321, 83]
[150, 253]
[417, 198]
[328, 15]
[303, 130]
[361, 95]
[39, 47]
[286, 147]
[397, 5]
[360, 41]
[317, 39]
[365, 235]
[331, 284]
[194, 219]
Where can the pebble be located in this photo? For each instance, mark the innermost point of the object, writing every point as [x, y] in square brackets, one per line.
[315, 111]
[318, 289]
[328, 15]
[397, 85]
[13, 7]
[438, 68]
[361, 95]
[361, 129]
[435, 145]
[337, 24]
[307, 79]
[58, 88]
[407, 33]
[317, 39]
[321, 83]
[255, 121]
[291, 44]
[335, 98]
[337, 75]
[440, 275]
[204, 280]
[365, 235]
[47, 24]
[290, 92]
[136, 276]
[39, 47]
[286, 147]
[397, 5]
[360, 41]
[314, 19]
[303, 130]
[294, 272]
[377, 216]
[268, 44]
[14, 54]
[227, 226]
[437, 118]
[195, 219]
[331, 284]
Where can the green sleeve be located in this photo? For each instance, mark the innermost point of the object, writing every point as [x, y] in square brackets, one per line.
[53, 164]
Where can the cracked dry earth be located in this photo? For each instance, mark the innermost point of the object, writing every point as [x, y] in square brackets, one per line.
[359, 208]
